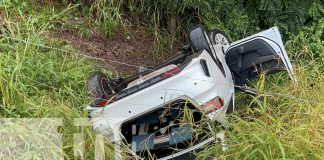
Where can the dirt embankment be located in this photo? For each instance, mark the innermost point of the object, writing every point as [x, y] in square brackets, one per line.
[130, 45]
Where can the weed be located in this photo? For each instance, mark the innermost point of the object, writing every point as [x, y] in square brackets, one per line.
[107, 14]
[40, 82]
[284, 121]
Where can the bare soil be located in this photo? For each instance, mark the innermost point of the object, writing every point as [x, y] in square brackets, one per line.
[130, 45]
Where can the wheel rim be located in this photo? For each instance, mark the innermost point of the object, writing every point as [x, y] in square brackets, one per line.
[220, 39]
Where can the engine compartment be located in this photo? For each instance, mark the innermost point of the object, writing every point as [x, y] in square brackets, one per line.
[164, 131]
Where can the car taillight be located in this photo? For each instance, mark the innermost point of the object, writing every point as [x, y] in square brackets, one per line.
[105, 101]
[171, 72]
[101, 103]
[213, 105]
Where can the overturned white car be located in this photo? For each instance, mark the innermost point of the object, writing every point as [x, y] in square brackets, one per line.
[147, 112]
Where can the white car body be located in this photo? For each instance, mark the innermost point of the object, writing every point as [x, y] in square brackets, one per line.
[191, 84]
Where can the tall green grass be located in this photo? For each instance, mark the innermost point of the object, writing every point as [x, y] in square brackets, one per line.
[285, 121]
[37, 82]
[107, 14]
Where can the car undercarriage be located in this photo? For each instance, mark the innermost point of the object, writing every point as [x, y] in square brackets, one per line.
[162, 112]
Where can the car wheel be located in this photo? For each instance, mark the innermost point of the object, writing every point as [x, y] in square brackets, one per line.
[199, 40]
[219, 37]
[98, 87]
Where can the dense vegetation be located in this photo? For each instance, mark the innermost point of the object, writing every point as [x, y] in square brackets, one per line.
[285, 121]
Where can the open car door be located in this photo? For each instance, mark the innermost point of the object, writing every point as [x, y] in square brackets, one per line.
[261, 52]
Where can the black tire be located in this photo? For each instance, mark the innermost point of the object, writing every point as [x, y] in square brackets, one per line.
[217, 36]
[98, 87]
[199, 40]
